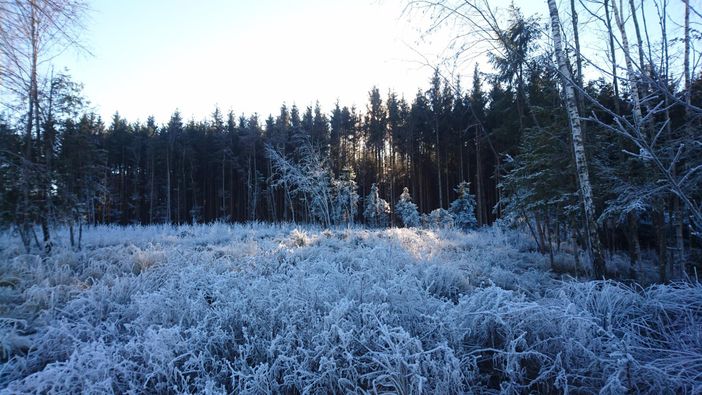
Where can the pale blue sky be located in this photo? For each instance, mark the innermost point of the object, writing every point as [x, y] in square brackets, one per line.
[150, 57]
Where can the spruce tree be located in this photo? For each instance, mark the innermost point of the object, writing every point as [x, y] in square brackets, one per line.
[407, 210]
[463, 208]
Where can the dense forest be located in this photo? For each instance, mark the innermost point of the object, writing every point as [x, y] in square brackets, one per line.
[508, 133]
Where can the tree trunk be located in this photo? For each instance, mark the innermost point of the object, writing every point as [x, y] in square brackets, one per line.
[223, 208]
[634, 245]
[80, 232]
[45, 178]
[578, 57]
[479, 187]
[438, 164]
[540, 229]
[547, 224]
[613, 54]
[273, 211]
[168, 185]
[195, 208]
[392, 179]
[576, 253]
[631, 75]
[686, 70]
[637, 30]
[71, 233]
[151, 191]
[661, 247]
[678, 224]
[25, 220]
[578, 146]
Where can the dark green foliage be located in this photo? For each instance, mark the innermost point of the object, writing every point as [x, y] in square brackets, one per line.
[517, 162]
[463, 208]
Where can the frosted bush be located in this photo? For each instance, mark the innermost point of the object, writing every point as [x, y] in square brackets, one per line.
[445, 282]
[377, 210]
[438, 219]
[295, 309]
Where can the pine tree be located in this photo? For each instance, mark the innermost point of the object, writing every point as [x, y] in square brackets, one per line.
[463, 208]
[407, 210]
[81, 165]
[10, 166]
[319, 131]
[376, 132]
[437, 110]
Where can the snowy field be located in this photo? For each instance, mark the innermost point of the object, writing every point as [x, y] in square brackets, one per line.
[285, 309]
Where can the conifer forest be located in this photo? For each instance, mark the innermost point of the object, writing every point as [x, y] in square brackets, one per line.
[530, 223]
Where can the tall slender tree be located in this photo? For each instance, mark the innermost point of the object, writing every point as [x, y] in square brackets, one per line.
[578, 145]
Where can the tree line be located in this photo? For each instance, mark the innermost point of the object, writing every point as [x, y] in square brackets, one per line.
[219, 168]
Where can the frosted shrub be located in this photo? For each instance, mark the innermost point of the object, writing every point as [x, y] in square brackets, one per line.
[309, 179]
[345, 197]
[445, 282]
[406, 210]
[377, 210]
[438, 219]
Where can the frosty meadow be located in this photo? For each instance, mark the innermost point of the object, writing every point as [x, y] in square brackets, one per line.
[287, 309]
[403, 197]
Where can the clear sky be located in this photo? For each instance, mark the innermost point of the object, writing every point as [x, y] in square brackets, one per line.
[151, 57]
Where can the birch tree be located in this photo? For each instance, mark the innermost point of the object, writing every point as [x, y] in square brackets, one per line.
[310, 180]
[32, 32]
[578, 146]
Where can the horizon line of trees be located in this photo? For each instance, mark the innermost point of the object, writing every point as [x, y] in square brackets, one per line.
[219, 169]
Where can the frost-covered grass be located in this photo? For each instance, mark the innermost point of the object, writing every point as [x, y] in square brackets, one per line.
[263, 308]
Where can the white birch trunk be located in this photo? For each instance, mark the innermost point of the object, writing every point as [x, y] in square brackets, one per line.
[578, 146]
[631, 75]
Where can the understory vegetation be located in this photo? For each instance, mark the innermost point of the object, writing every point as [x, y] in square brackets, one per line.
[262, 308]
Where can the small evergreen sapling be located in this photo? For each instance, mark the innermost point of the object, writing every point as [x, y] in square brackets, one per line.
[377, 210]
[463, 208]
[438, 219]
[407, 210]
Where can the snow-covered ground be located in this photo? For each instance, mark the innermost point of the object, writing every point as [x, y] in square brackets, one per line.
[263, 309]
